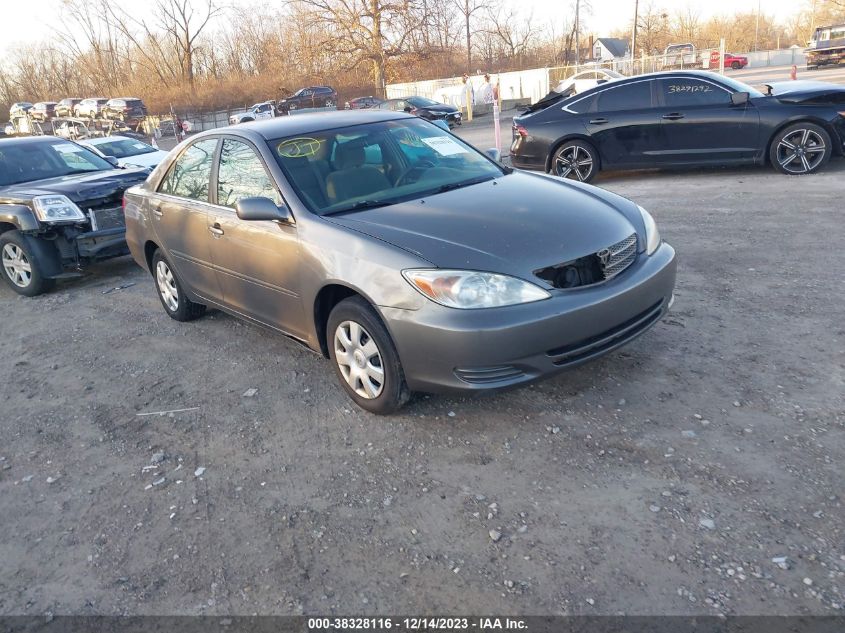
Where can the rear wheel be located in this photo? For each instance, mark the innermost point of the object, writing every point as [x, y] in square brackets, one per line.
[802, 148]
[577, 160]
[364, 357]
[20, 268]
[170, 292]
[735, 65]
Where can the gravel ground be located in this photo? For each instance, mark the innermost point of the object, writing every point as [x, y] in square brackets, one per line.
[696, 471]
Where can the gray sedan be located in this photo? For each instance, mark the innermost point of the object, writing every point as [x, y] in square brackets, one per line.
[410, 259]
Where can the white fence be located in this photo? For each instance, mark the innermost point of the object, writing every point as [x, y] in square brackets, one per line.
[530, 85]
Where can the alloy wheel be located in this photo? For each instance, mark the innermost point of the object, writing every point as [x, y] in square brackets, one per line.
[801, 151]
[167, 286]
[17, 266]
[574, 162]
[359, 359]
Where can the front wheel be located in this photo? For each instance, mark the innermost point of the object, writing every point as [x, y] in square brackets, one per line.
[577, 160]
[735, 65]
[170, 292]
[365, 358]
[21, 268]
[802, 148]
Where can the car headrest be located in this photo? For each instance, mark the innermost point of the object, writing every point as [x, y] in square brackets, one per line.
[349, 156]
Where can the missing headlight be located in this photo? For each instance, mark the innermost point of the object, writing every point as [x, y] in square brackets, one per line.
[583, 271]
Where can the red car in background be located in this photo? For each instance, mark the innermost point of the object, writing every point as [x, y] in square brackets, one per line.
[731, 61]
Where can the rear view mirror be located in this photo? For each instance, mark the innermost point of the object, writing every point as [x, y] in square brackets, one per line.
[260, 208]
[739, 98]
[494, 154]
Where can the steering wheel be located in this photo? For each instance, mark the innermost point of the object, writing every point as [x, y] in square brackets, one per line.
[420, 166]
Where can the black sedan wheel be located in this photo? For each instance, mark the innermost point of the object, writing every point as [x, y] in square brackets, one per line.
[577, 160]
[802, 148]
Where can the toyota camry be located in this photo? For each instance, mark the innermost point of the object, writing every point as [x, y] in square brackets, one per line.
[410, 259]
[690, 118]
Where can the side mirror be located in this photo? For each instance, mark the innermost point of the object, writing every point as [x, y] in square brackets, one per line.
[739, 98]
[111, 160]
[408, 109]
[260, 208]
[494, 154]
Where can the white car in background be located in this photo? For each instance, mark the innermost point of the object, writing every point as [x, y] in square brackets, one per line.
[129, 152]
[587, 79]
[264, 110]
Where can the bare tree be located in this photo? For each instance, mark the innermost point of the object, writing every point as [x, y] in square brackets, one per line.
[364, 31]
[468, 9]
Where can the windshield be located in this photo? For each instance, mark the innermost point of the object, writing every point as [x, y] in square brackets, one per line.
[378, 164]
[27, 162]
[123, 147]
[421, 102]
[738, 86]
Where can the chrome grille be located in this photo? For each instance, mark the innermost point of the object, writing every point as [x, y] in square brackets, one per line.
[617, 257]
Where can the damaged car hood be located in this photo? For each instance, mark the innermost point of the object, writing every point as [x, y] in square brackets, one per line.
[494, 226]
[807, 91]
[77, 187]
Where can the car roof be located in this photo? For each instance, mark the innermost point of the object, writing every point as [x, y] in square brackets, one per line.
[308, 123]
[32, 140]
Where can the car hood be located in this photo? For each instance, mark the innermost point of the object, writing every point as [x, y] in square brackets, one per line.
[79, 188]
[440, 107]
[799, 91]
[150, 159]
[514, 224]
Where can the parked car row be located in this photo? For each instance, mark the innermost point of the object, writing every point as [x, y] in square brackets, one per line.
[128, 109]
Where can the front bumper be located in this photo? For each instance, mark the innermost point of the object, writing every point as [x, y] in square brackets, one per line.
[444, 349]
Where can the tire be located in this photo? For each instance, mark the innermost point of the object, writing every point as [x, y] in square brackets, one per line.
[799, 149]
[576, 160]
[329, 103]
[735, 65]
[356, 329]
[170, 292]
[20, 268]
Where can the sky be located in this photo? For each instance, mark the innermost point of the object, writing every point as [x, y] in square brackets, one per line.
[27, 22]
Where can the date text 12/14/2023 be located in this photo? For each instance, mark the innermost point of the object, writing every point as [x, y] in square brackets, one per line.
[424, 623]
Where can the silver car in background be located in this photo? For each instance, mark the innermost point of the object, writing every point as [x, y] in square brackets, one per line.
[410, 259]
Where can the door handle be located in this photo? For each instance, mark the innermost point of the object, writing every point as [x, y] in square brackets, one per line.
[216, 230]
[598, 121]
[674, 116]
[157, 211]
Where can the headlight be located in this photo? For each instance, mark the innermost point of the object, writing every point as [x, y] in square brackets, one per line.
[470, 289]
[652, 235]
[56, 209]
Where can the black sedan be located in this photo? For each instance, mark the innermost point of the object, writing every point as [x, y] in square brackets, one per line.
[677, 119]
[425, 109]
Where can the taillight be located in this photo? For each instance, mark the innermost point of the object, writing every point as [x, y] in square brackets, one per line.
[123, 203]
[520, 130]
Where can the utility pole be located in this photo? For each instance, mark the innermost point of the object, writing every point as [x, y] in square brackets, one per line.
[634, 33]
[577, 38]
[757, 26]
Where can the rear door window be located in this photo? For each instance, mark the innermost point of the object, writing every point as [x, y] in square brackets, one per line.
[633, 96]
[190, 175]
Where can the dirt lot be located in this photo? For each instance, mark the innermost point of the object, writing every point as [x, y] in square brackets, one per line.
[664, 478]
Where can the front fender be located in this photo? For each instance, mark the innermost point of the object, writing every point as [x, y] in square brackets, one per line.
[20, 216]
